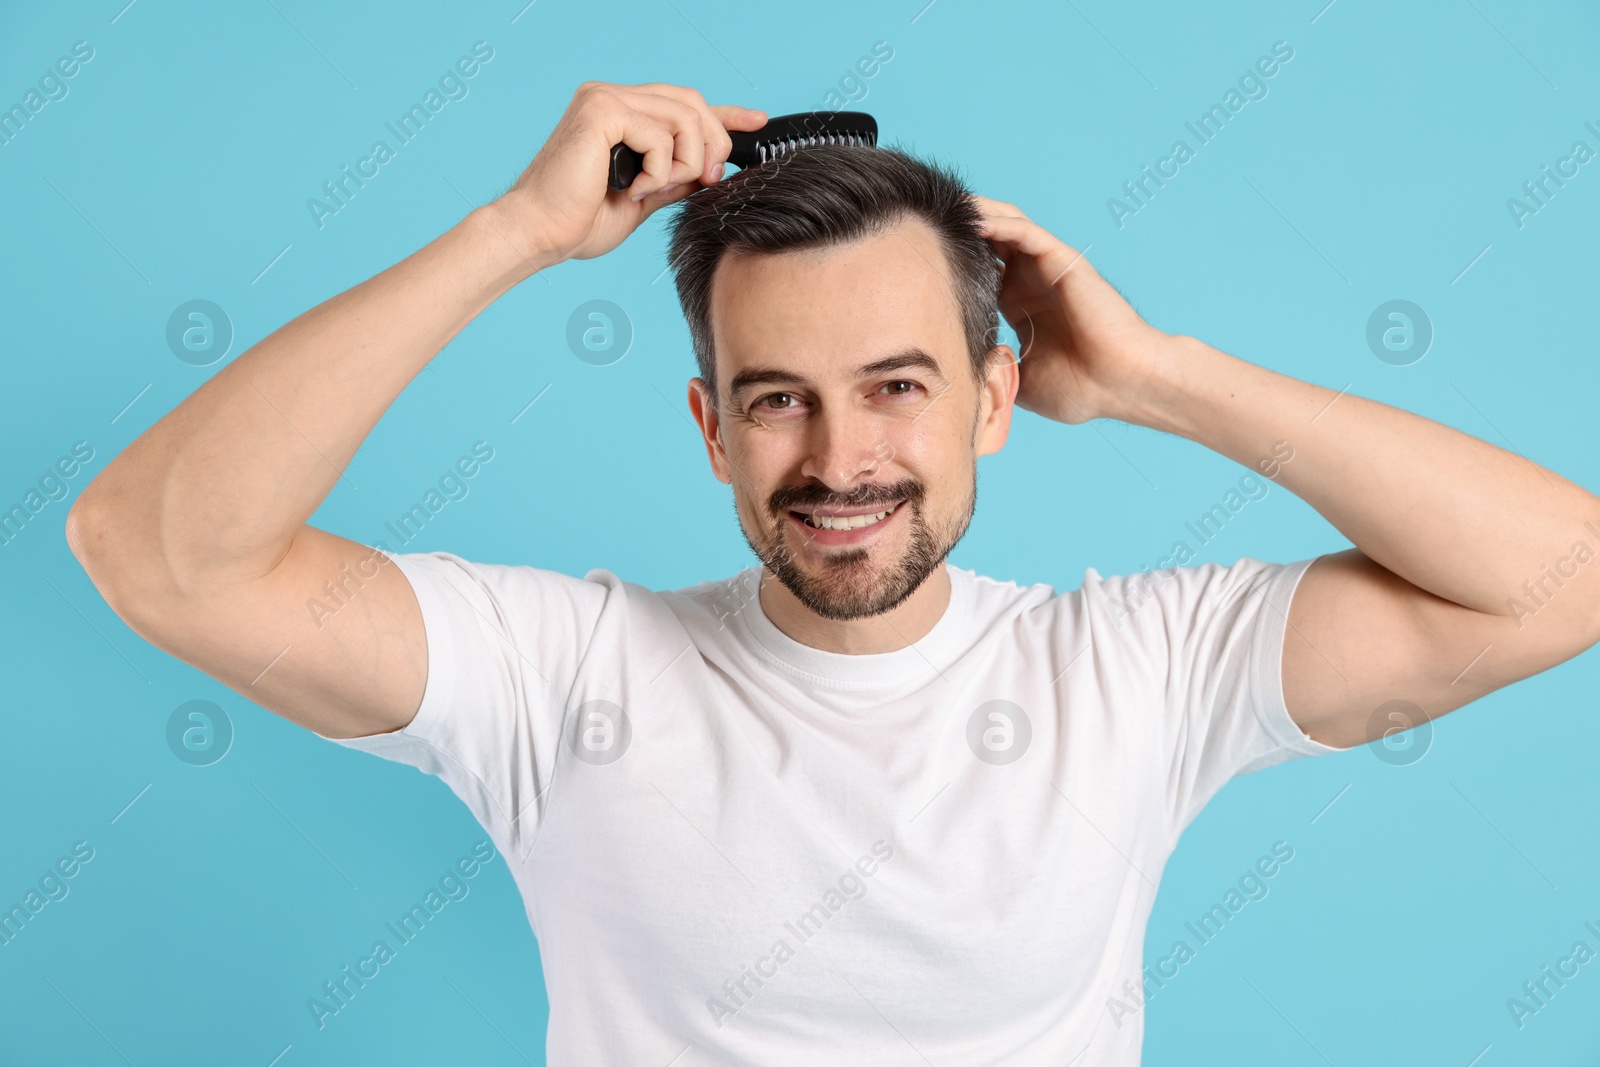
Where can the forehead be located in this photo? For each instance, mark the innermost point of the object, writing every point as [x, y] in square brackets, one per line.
[823, 310]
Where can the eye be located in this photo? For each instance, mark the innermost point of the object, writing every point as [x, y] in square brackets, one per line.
[910, 387]
[762, 403]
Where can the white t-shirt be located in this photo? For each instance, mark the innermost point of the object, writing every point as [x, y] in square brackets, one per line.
[738, 849]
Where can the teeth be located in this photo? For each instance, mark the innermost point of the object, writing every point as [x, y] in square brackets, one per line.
[853, 522]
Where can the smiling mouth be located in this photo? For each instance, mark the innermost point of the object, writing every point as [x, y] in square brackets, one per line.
[819, 521]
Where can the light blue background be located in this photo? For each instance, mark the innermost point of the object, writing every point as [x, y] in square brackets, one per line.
[178, 168]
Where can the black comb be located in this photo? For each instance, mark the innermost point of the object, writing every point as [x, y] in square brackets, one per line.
[780, 136]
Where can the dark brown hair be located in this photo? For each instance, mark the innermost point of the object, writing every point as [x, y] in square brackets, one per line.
[829, 195]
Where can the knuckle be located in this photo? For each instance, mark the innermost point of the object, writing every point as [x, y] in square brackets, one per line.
[601, 96]
[687, 114]
[663, 132]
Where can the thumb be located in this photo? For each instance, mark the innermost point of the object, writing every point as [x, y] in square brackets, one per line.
[671, 194]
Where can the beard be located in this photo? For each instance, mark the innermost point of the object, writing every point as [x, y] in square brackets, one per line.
[847, 583]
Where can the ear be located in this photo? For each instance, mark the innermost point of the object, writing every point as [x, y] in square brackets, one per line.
[997, 399]
[704, 409]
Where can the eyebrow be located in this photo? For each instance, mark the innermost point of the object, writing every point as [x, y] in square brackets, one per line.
[906, 358]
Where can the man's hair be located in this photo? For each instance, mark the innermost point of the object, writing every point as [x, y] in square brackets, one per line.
[830, 195]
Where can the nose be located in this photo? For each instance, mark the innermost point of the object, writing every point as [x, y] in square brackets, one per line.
[843, 445]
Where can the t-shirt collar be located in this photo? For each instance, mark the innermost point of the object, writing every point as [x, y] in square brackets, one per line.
[920, 661]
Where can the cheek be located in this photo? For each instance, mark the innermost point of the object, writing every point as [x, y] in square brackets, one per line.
[757, 467]
[922, 448]
[941, 457]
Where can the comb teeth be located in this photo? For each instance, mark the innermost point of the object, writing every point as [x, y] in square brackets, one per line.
[770, 150]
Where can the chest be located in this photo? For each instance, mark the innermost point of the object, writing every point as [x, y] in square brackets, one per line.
[746, 863]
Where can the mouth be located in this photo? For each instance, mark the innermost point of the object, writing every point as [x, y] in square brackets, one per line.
[830, 527]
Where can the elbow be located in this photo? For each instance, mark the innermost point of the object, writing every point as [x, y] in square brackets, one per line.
[89, 540]
[119, 545]
[83, 529]
[115, 567]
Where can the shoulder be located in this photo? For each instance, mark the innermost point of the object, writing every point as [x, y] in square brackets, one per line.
[713, 601]
[999, 594]
[1195, 603]
[1152, 602]
[512, 579]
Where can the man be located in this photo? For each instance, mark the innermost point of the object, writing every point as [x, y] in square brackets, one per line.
[854, 805]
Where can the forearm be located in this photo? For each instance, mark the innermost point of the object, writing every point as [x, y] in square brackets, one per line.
[219, 487]
[1452, 514]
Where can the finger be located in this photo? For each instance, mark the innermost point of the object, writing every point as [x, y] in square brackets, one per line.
[1020, 236]
[997, 207]
[605, 108]
[668, 194]
[654, 141]
[734, 117]
[688, 137]
[1001, 223]
[1021, 233]
[716, 121]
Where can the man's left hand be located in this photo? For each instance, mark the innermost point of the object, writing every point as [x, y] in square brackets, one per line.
[1085, 353]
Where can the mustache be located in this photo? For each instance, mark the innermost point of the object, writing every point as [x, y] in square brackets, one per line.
[801, 496]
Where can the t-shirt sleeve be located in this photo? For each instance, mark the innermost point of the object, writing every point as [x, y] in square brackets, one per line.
[505, 645]
[1213, 638]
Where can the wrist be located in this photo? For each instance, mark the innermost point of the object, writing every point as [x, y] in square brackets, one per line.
[1177, 370]
[511, 251]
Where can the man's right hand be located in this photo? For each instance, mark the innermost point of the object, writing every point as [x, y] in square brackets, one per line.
[563, 207]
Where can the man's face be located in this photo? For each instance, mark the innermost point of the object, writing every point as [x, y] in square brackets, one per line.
[849, 422]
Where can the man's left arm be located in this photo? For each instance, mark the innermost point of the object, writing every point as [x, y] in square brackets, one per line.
[1473, 567]
[1472, 564]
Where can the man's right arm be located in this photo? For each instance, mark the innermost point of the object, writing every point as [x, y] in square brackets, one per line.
[196, 533]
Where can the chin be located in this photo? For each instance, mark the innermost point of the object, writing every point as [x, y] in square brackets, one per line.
[858, 582]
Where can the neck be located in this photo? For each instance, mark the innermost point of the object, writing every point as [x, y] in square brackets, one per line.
[901, 626]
